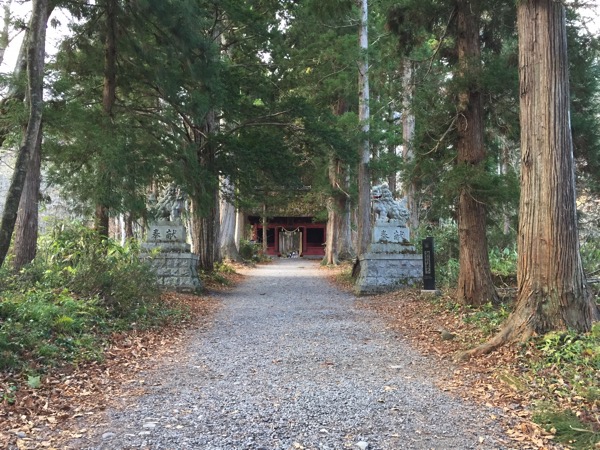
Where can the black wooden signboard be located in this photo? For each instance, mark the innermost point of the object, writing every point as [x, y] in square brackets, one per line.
[428, 265]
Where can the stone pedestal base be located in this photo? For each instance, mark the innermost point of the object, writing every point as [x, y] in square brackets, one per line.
[389, 271]
[176, 271]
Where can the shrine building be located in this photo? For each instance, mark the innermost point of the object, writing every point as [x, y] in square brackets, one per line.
[291, 236]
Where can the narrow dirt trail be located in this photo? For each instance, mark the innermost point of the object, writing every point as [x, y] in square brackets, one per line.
[290, 363]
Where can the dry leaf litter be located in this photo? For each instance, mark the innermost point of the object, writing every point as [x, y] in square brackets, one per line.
[286, 360]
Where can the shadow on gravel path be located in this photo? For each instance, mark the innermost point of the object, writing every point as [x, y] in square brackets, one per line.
[290, 363]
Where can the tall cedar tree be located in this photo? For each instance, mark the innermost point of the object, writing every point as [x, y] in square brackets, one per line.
[552, 290]
[475, 285]
[364, 175]
[109, 95]
[417, 24]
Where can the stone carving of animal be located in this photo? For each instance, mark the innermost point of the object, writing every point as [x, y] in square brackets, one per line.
[385, 208]
[169, 205]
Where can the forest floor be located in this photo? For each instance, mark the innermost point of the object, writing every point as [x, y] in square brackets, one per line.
[51, 415]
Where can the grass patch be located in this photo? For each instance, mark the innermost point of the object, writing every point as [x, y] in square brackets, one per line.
[563, 370]
[488, 318]
[567, 428]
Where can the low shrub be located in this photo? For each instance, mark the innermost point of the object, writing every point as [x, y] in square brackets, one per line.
[590, 256]
[503, 264]
[40, 328]
[77, 258]
[250, 250]
[80, 288]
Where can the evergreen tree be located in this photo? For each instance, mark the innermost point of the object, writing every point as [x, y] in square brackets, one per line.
[552, 290]
[454, 47]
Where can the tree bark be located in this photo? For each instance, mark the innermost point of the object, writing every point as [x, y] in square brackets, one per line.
[265, 223]
[128, 226]
[339, 229]
[504, 166]
[364, 173]
[16, 90]
[339, 233]
[205, 234]
[240, 227]
[408, 134]
[228, 211]
[552, 290]
[331, 235]
[101, 219]
[26, 227]
[205, 208]
[335, 213]
[35, 82]
[345, 245]
[475, 285]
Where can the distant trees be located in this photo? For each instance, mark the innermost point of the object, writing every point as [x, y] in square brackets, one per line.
[318, 60]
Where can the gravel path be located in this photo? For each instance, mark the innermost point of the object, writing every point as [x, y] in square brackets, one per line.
[291, 364]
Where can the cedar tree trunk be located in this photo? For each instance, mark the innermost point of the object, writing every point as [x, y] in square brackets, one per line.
[331, 235]
[364, 175]
[339, 232]
[552, 290]
[205, 215]
[101, 219]
[26, 227]
[408, 134]
[228, 212]
[345, 248]
[265, 223]
[128, 226]
[475, 285]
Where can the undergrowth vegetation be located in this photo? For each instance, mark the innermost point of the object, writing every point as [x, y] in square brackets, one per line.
[502, 254]
[559, 371]
[565, 369]
[80, 288]
[250, 250]
[218, 276]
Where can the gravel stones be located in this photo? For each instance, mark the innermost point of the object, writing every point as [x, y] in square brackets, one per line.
[290, 363]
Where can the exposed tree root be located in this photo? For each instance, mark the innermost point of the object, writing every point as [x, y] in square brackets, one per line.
[523, 324]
